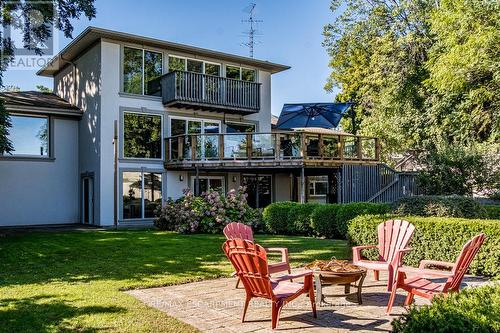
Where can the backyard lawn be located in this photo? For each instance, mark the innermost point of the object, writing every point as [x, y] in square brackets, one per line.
[72, 281]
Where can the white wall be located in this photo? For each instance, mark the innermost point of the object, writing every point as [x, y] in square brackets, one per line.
[45, 192]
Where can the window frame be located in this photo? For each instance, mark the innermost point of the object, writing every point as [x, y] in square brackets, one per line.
[185, 58]
[122, 135]
[208, 178]
[314, 182]
[122, 75]
[241, 72]
[50, 136]
[202, 120]
[142, 172]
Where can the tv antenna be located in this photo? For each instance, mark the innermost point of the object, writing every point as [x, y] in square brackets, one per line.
[250, 9]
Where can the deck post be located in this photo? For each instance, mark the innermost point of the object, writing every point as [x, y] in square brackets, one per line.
[302, 186]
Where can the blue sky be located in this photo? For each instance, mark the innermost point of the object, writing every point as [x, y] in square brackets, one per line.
[291, 35]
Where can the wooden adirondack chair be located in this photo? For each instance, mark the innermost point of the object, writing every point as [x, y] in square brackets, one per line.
[393, 235]
[420, 286]
[236, 230]
[250, 262]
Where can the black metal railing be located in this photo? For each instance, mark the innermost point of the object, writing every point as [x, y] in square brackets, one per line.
[180, 87]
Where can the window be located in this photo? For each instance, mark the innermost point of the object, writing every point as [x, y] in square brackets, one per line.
[29, 135]
[207, 145]
[142, 194]
[240, 73]
[192, 65]
[142, 136]
[318, 186]
[239, 128]
[208, 182]
[258, 190]
[142, 70]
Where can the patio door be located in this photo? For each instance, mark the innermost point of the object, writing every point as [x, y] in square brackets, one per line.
[87, 200]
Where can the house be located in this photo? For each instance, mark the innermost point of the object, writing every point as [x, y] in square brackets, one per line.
[134, 120]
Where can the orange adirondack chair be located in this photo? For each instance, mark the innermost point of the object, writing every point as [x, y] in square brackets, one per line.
[393, 235]
[236, 230]
[250, 262]
[420, 286]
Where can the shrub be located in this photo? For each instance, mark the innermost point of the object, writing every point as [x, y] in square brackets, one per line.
[430, 205]
[349, 211]
[470, 310]
[324, 220]
[492, 212]
[437, 238]
[300, 217]
[209, 213]
[276, 217]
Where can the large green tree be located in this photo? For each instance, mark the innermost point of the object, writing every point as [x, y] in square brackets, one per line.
[420, 72]
[36, 20]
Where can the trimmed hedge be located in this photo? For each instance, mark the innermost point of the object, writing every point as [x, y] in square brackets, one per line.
[492, 212]
[299, 218]
[349, 211]
[470, 310]
[276, 217]
[432, 205]
[324, 221]
[437, 238]
[329, 220]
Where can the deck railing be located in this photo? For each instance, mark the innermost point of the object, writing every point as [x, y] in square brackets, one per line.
[277, 146]
[211, 91]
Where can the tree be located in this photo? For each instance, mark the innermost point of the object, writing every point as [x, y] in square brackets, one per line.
[420, 72]
[56, 13]
[43, 89]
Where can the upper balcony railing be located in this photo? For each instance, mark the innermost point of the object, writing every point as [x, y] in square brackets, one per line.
[269, 149]
[188, 89]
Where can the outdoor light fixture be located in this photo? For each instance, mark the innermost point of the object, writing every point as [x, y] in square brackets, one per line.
[234, 179]
[181, 178]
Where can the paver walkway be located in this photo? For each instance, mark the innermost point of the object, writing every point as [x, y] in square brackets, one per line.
[216, 306]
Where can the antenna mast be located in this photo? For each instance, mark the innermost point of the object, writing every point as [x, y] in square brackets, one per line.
[250, 9]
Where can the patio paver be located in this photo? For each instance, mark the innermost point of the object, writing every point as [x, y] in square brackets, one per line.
[216, 306]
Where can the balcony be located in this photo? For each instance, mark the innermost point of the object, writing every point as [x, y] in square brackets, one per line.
[269, 150]
[211, 93]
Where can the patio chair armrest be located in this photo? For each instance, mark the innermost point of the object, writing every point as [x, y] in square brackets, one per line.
[437, 263]
[292, 276]
[282, 250]
[425, 272]
[356, 251]
[396, 261]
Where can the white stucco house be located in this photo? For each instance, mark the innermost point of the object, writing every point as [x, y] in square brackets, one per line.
[133, 120]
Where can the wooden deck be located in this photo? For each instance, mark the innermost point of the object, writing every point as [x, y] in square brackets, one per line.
[269, 150]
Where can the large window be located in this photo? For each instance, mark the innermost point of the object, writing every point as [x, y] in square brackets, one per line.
[241, 73]
[207, 145]
[142, 135]
[141, 71]
[29, 135]
[193, 65]
[208, 182]
[142, 194]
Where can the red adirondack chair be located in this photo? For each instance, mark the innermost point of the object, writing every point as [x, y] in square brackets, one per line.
[393, 235]
[250, 262]
[419, 284]
[236, 230]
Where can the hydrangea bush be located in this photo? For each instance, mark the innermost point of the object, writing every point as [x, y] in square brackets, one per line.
[209, 213]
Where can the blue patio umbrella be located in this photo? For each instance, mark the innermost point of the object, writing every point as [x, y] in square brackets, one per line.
[324, 115]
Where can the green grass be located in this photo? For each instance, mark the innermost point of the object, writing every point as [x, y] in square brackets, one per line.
[73, 281]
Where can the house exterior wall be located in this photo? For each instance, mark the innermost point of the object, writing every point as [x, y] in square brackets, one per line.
[46, 191]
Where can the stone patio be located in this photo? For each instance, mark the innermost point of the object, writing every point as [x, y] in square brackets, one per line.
[216, 306]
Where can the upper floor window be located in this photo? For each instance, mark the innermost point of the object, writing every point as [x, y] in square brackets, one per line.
[142, 135]
[29, 135]
[193, 65]
[141, 71]
[241, 73]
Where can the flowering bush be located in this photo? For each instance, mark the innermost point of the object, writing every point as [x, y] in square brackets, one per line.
[209, 213]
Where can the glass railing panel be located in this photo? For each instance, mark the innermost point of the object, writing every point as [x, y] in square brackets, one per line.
[368, 148]
[174, 148]
[289, 146]
[210, 146]
[350, 147]
[331, 147]
[312, 146]
[235, 146]
[263, 145]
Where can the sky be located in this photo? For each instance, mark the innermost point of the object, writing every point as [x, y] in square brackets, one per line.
[291, 34]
